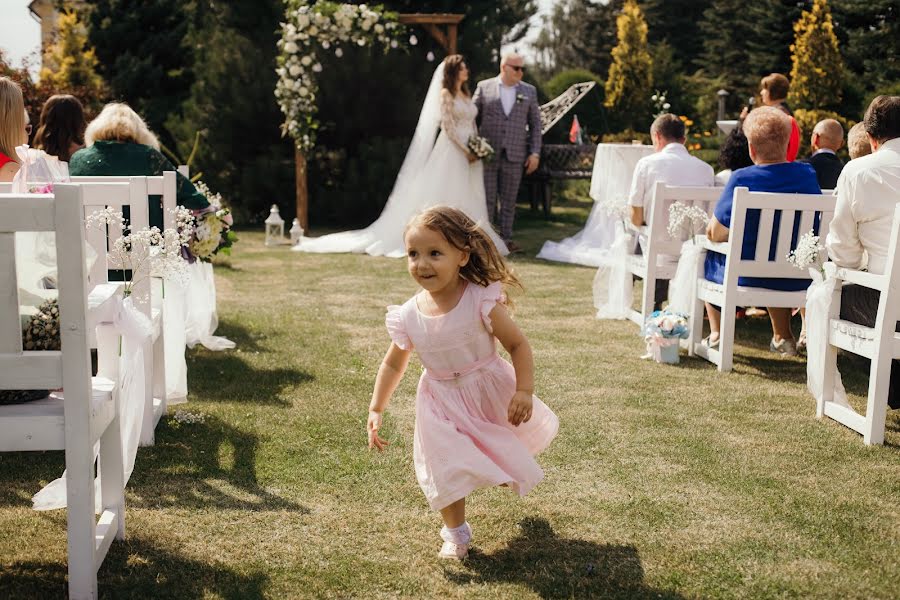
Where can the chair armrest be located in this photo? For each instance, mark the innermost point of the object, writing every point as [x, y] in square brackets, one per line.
[706, 243]
[869, 280]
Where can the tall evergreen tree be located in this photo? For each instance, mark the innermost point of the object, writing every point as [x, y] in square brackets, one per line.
[817, 72]
[725, 32]
[76, 62]
[578, 34]
[143, 55]
[676, 23]
[869, 35]
[630, 80]
[769, 44]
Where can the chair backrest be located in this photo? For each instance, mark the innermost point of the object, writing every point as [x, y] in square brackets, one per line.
[665, 196]
[889, 300]
[131, 194]
[70, 368]
[809, 209]
[165, 185]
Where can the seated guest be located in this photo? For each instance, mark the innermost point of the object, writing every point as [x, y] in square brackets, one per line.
[671, 164]
[733, 155]
[773, 91]
[14, 129]
[768, 131]
[827, 138]
[119, 143]
[868, 192]
[60, 131]
[858, 142]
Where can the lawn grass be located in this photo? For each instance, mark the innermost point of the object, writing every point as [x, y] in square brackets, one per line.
[665, 481]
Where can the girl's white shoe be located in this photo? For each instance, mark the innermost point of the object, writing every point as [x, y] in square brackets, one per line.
[452, 551]
[456, 542]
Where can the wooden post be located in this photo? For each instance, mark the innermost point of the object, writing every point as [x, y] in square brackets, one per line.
[432, 22]
[302, 190]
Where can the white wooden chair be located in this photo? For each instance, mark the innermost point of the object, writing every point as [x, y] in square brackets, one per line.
[165, 185]
[132, 194]
[88, 413]
[880, 344]
[729, 295]
[659, 242]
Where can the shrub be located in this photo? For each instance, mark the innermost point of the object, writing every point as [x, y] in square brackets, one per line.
[806, 121]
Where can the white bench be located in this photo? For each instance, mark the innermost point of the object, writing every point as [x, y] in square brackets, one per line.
[729, 295]
[880, 344]
[659, 242]
[88, 414]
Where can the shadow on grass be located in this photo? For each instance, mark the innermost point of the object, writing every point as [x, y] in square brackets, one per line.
[136, 568]
[555, 567]
[218, 376]
[202, 465]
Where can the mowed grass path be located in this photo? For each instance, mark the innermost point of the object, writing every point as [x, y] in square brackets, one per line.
[665, 481]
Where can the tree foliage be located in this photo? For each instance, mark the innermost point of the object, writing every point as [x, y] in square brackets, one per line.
[630, 80]
[75, 62]
[817, 72]
[578, 34]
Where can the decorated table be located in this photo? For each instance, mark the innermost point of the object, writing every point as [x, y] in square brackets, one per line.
[610, 182]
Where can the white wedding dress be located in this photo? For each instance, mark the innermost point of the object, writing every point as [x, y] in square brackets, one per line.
[433, 173]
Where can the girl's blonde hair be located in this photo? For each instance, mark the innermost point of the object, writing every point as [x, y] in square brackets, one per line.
[117, 122]
[12, 118]
[485, 265]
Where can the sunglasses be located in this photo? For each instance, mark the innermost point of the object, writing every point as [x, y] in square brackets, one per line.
[517, 68]
[28, 129]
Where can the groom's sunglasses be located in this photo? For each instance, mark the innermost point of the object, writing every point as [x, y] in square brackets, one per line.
[517, 68]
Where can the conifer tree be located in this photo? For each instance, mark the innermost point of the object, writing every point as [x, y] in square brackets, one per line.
[74, 60]
[630, 80]
[817, 72]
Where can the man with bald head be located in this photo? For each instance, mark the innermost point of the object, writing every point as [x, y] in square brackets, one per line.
[827, 138]
[508, 117]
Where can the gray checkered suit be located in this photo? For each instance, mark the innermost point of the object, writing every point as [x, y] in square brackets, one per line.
[513, 138]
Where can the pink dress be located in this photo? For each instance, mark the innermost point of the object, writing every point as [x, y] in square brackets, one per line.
[463, 440]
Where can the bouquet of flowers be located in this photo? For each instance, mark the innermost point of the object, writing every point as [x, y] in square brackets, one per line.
[685, 219]
[808, 253]
[480, 147]
[662, 330]
[211, 228]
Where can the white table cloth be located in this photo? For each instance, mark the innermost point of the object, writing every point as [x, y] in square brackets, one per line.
[611, 180]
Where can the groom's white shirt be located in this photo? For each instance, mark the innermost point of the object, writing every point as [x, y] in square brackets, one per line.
[507, 96]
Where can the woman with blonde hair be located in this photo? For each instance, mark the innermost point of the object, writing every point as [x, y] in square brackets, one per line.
[118, 142]
[12, 127]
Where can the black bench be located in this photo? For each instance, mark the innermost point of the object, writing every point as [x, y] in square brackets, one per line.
[558, 161]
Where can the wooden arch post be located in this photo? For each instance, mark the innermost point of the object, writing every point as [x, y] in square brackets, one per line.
[433, 24]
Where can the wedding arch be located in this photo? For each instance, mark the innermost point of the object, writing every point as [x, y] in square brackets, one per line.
[312, 29]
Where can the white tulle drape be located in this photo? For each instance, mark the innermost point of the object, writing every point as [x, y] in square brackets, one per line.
[202, 317]
[613, 284]
[683, 286]
[818, 306]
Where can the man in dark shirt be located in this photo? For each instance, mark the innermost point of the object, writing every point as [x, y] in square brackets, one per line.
[827, 138]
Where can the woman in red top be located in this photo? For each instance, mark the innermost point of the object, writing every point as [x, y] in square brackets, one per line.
[773, 91]
[12, 127]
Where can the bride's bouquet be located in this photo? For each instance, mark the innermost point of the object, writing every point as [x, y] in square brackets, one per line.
[480, 147]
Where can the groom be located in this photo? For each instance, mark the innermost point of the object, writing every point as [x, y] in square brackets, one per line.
[508, 117]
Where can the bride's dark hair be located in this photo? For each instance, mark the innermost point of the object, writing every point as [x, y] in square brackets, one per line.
[485, 265]
[452, 65]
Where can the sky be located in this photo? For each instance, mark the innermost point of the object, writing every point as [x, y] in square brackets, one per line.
[20, 34]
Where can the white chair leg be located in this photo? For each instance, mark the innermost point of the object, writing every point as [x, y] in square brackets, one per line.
[112, 473]
[726, 336]
[81, 523]
[876, 406]
[159, 373]
[696, 325]
[148, 425]
[648, 293]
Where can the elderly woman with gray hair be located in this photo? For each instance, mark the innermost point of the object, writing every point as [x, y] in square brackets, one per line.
[118, 142]
[768, 132]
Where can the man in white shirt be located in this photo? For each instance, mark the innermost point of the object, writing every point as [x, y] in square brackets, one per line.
[868, 192]
[672, 164]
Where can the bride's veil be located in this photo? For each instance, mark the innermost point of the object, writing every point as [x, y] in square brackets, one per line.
[385, 235]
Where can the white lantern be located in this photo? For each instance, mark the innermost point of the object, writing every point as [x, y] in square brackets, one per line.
[274, 227]
[296, 232]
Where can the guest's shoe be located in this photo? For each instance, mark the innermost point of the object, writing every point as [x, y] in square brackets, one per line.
[784, 347]
[513, 247]
[801, 343]
[452, 551]
[706, 343]
[755, 312]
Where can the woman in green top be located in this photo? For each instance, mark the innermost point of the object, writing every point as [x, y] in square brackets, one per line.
[118, 142]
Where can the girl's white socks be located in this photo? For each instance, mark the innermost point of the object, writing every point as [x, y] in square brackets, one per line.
[461, 535]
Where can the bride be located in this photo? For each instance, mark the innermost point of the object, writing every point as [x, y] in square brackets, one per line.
[443, 172]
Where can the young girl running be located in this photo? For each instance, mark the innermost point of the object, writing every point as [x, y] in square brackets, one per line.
[477, 422]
